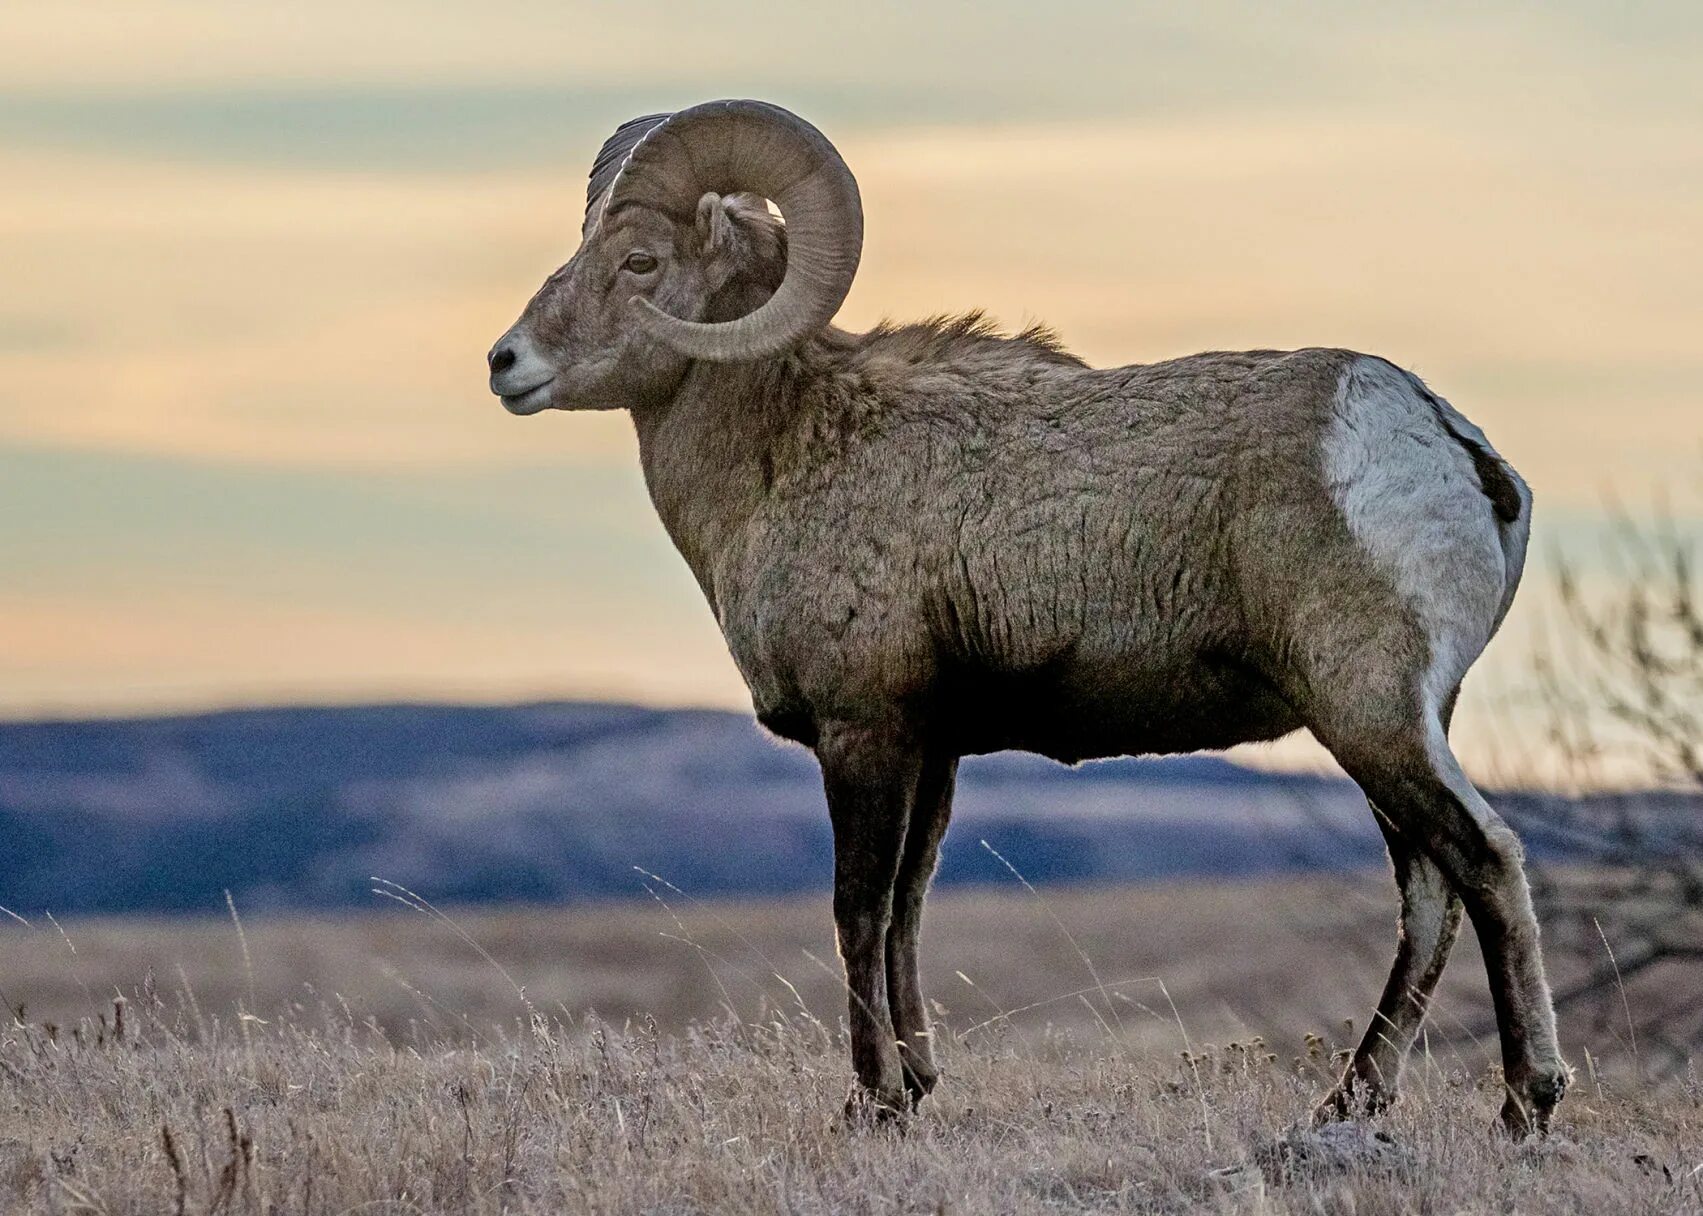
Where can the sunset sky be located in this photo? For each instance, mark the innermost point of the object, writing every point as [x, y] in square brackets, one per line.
[251, 256]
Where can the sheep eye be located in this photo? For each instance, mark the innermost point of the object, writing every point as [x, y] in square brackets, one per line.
[639, 263]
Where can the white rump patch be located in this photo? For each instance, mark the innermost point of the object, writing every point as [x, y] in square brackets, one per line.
[1412, 498]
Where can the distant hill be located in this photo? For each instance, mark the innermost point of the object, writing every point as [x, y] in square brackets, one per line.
[559, 802]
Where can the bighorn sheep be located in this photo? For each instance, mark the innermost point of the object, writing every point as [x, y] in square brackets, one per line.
[931, 541]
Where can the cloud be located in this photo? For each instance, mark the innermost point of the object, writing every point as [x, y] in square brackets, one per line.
[257, 254]
[1005, 60]
[337, 319]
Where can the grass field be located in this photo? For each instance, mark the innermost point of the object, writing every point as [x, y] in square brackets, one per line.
[403, 1062]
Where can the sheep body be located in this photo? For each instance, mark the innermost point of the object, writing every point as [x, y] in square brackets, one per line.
[929, 541]
[987, 536]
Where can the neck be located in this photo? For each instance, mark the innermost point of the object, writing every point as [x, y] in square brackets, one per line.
[708, 454]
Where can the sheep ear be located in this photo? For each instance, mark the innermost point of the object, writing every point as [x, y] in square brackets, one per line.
[715, 225]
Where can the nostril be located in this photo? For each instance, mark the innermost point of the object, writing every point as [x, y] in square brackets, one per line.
[502, 358]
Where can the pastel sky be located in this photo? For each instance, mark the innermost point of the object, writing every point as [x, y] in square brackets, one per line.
[251, 256]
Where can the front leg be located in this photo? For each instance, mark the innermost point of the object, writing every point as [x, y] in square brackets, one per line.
[930, 811]
[870, 774]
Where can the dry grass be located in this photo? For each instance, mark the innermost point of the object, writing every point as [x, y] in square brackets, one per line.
[330, 1116]
[1275, 958]
[342, 1098]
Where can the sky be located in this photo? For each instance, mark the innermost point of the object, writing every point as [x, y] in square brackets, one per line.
[251, 256]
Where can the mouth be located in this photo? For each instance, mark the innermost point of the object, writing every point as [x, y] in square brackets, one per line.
[528, 401]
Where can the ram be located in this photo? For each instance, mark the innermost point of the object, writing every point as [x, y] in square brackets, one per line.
[931, 541]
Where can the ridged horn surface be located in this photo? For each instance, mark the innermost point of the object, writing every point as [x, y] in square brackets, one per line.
[731, 147]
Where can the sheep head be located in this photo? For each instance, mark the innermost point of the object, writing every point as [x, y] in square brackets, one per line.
[680, 259]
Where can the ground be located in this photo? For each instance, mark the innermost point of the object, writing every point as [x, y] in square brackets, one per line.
[463, 1071]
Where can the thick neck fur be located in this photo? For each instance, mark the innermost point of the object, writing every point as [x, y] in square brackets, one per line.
[708, 452]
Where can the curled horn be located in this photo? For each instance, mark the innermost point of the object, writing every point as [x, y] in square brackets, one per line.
[730, 147]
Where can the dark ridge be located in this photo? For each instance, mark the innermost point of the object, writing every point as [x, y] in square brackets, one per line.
[298, 808]
[614, 154]
[1493, 476]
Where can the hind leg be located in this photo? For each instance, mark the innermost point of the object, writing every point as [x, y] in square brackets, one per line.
[1434, 531]
[1401, 758]
[1425, 933]
[1430, 920]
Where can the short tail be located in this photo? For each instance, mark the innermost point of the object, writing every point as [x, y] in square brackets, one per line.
[1509, 497]
[1515, 533]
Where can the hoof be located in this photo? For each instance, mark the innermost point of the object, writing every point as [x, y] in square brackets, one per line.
[919, 1083]
[1514, 1122]
[1520, 1120]
[868, 1108]
[1356, 1099]
[1526, 1111]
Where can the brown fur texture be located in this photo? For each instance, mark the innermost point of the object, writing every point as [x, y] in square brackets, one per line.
[932, 540]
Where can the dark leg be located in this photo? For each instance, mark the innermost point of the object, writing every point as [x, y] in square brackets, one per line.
[871, 777]
[1425, 933]
[1430, 920]
[929, 814]
[1413, 776]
